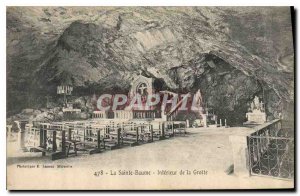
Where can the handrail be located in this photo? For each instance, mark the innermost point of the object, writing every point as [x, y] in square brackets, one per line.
[265, 125]
[178, 104]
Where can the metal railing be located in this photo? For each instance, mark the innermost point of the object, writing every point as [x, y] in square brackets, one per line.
[271, 151]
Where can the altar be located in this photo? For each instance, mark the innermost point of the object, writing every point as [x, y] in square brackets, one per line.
[256, 114]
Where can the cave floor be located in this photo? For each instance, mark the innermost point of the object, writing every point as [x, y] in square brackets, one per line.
[201, 149]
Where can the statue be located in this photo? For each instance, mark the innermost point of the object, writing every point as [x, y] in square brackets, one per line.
[256, 103]
[257, 114]
[251, 106]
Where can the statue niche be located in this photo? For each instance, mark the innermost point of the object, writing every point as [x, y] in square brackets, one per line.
[142, 86]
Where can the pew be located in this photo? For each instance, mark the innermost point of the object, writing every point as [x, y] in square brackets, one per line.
[74, 137]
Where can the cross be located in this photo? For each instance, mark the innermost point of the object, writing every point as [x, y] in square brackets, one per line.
[142, 88]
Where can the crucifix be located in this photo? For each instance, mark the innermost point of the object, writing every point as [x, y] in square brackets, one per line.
[142, 89]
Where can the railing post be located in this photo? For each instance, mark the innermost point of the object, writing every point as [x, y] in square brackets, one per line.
[84, 129]
[98, 139]
[119, 137]
[173, 130]
[54, 145]
[137, 135]
[63, 142]
[69, 134]
[42, 138]
[163, 131]
[151, 129]
[44, 145]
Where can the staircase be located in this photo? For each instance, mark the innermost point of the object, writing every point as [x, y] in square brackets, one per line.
[174, 111]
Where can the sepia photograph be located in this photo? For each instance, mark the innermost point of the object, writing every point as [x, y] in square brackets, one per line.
[150, 98]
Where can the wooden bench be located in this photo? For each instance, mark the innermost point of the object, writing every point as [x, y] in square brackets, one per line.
[130, 141]
[129, 138]
[180, 131]
[40, 149]
[87, 146]
[68, 145]
[111, 146]
[58, 155]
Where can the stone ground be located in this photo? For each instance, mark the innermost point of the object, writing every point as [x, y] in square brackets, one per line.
[202, 149]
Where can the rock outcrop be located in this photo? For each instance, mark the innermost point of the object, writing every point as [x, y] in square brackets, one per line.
[231, 54]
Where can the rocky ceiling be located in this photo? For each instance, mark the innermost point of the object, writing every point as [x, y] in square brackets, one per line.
[240, 49]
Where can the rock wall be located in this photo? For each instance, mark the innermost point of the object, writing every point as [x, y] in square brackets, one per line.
[231, 54]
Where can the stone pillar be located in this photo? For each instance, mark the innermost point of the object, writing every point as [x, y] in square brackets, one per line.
[240, 155]
[187, 123]
[204, 117]
[225, 123]
[21, 134]
[220, 122]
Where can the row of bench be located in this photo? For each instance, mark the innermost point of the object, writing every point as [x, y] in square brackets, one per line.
[95, 139]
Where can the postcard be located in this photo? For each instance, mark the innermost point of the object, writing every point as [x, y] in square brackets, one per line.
[150, 98]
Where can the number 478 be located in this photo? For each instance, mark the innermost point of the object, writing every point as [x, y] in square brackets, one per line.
[98, 173]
